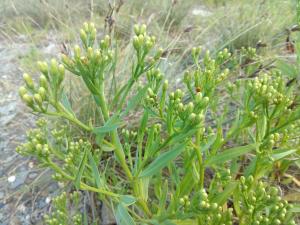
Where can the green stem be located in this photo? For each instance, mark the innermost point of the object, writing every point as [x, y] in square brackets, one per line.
[70, 118]
[114, 135]
[83, 186]
[200, 159]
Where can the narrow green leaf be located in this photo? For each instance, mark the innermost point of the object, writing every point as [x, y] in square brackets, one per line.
[81, 168]
[127, 199]
[66, 103]
[122, 216]
[205, 146]
[295, 208]
[134, 101]
[282, 154]
[261, 127]
[143, 125]
[162, 161]
[221, 198]
[85, 217]
[229, 154]
[95, 171]
[187, 184]
[112, 124]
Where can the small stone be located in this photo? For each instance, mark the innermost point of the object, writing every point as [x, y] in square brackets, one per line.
[19, 180]
[48, 200]
[11, 179]
[31, 165]
[33, 175]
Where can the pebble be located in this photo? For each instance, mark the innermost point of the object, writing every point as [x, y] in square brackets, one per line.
[32, 175]
[19, 180]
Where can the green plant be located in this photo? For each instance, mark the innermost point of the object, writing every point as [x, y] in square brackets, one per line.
[62, 214]
[156, 173]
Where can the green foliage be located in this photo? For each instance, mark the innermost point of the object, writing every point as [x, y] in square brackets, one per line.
[156, 173]
[62, 213]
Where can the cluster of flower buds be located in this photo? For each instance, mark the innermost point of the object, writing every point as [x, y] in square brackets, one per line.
[129, 135]
[268, 89]
[184, 201]
[189, 113]
[36, 144]
[223, 177]
[59, 134]
[196, 51]
[88, 34]
[74, 154]
[142, 42]
[273, 139]
[65, 210]
[207, 74]
[49, 88]
[154, 77]
[249, 53]
[290, 136]
[90, 63]
[154, 130]
[151, 98]
[34, 98]
[211, 213]
[223, 56]
[261, 204]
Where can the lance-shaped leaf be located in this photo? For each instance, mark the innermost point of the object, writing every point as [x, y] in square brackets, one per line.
[81, 168]
[134, 101]
[229, 154]
[96, 175]
[111, 124]
[122, 216]
[228, 191]
[282, 154]
[162, 161]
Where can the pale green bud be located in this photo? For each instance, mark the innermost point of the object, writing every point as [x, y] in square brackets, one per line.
[28, 99]
[61, 70]
[54, 67]
[77, 51]
[83, 36]
[22, 91]
[43, 81]
[43, 67]
[143, 29]
[28, 80]
[38, 99]
[42, 93]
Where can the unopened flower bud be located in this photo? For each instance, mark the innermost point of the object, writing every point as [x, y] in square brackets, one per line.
[136, 43]
[54, 67]
[43, 81]
[192, 117]
[38, 99]
[28, 99]
[22, 91]
[28, 80]
[43, 67]
[143, 29]
[77, 51]
[42, 93]
[83, 36]
[61, 70]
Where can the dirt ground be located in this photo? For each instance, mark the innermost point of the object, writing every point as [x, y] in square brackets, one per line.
[25, 190]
